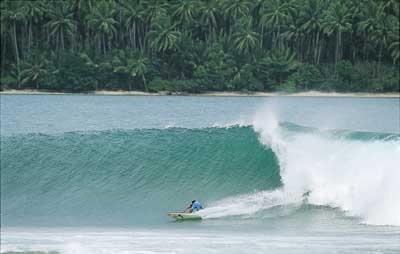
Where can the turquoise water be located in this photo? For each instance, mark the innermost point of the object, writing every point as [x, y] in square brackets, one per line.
[97, 174]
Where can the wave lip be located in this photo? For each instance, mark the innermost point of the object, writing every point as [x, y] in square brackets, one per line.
[356, 173]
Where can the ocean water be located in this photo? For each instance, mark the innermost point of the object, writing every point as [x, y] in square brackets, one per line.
[97, 174]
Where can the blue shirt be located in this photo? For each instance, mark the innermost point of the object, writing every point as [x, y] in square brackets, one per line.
[196, 206]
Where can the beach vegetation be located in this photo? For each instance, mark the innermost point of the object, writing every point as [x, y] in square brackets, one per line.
[187, 46]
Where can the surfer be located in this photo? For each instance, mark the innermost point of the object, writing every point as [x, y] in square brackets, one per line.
[193, 207]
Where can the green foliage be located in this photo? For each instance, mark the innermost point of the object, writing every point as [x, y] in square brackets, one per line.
[307, 77]
[206, 45]
[289, 86]
[176, 86]
[61, 23]
[7, 82]
[277, 66]
[345, 71]
[245, 40]
[163, 35]
[71, 74]
[157, 85]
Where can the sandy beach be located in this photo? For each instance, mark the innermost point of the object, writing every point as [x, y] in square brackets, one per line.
[227, 93]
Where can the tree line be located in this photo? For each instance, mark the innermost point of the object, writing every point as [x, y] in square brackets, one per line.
[200, 45]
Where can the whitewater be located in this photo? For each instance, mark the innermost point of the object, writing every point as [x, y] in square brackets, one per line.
[360, 177]
[97, 174]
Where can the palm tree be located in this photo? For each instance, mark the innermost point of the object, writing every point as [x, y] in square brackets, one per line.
[61, 23]
[139, 68]
[245, 40]
[135, 64]
[183, 13]
[378, 25]
[133, 15]
[312, 18]
[102, 21]
[209, 12]
[34, 11]
[367, 23]
[163, 36]
[295, 35]
[392, 7]
[395, 48]
[381, 37]
[82, 5]
[81, 8]
[274, 17]
[4, 26]
[33, 72]
[279, 64]
[337, 21]
[10, 16]
[234, 9]
[154, 9]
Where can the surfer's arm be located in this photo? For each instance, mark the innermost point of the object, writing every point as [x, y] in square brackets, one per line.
[188, 208]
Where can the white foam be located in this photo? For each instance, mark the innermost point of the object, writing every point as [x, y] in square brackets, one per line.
[247, 205]
[360, 177]
[194, 239]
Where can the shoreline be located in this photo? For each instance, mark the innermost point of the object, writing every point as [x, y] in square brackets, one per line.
[217, 94]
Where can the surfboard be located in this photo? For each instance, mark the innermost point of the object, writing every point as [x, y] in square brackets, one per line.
[184, 216]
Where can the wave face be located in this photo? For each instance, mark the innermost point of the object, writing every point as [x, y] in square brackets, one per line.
[133, 177]
[127, 177]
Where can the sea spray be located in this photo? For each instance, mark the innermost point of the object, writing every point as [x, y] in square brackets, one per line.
[253, 204]
[356, 172]
[360, 177]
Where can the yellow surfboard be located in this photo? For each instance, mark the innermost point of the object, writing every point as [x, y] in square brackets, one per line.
[184, 216]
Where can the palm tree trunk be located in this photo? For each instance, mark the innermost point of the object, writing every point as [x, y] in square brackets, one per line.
[145, 85]
[214, 34]
[278, 41]
[300, 48]
[319, 52]
[30, 36]
[3, 52]
[340, 45]
[337, 48]
[62, 38]
[57, 41]
[134, 35]
[379, 60]
[16, 52]
[104, 45]
[336, 53]
[121, 35]
[230, 28]
[209, 34]
[308, 47]
[100, 47]
[48, 34]
[130, 37]
[141, 42]
[365, 47]
[316, 48]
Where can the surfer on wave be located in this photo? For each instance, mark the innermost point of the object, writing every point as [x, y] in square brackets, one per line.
[194, 207]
